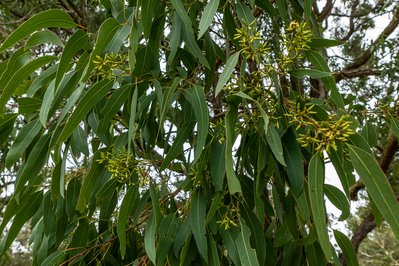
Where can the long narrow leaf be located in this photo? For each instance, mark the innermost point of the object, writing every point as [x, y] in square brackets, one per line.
[377, 186]
[47, 19]
[316, 197]
[93, 95]
[207, 16]
[227, 71]
[197, 219]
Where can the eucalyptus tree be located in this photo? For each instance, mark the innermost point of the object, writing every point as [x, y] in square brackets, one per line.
[192, 132]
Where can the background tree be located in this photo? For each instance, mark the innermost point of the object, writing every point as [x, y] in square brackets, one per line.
[174, 132]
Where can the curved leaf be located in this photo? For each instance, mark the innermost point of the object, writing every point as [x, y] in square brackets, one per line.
[207, 16]
[347, 248]
[126, 208]
[232, 180]
[149, 239]
[43, 37]
[197, 221]
[22, 141]
[274, 141]
[76, 42]
[227, 71]
[34, 163]
[338, 198]
[93, 95]
[377, 186]
[48, 19]
[245, 251]
[316, 197]
[20, 75]
[196, 96]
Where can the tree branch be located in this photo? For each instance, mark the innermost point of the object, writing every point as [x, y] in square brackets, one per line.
[393, 24]
[326, 11]
[355, 73]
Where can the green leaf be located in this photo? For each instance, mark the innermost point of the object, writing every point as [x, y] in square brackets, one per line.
[132, 119]
[197, 221]
[227, 71]
[89, 183]
[317, 43]
[20, 75]
[244, 13]
[177, 147]
[175, 37]
[17, 60]
[218, 164]
[55, 258]
[282, 9]
[395, 127]
[274, 141]
[245, 251]
[229, 239]
[43, 37]
[127, 206]
[112, 106]
[48, 99]
[182, 12]
[23, 215]
[98, 91]
[214, 259]
[308, 9]
[320, 64]
[377, 186]
[76, 42]
[182, 235]
[192, 46]
[167, 232]
[149, 239]
[215, 205]
[230, 122]
[106, 32]
[196, 96]
[22, 141]
[47, 19]
[45, 77]
[294, 161]
[28, 105]
[34, 163]
[316, 198]
[256, 234]
[313, 73]
[147, 14]
[347, 248]
[338, 198]
[267, 6]
[72, 197]
[207, 16]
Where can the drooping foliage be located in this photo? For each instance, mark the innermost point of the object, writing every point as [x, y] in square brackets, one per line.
[182, 133]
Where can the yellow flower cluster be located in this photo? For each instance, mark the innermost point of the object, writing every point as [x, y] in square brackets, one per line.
[120, 164]
[229, 217]
[251, 44]
[322, 135]
[111, 65]
[295, 41]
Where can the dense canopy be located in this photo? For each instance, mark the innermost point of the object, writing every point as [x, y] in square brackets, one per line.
[197, 132]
